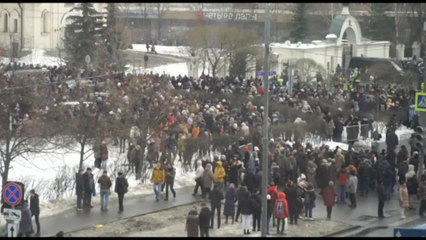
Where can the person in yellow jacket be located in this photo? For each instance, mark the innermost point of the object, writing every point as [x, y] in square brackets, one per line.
[195, 131]
[219, 175]
[157, 179]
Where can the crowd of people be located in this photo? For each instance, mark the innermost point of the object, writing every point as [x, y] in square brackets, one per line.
[296, 171]
[299, 176]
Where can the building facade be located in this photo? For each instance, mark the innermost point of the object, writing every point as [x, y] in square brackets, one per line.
[34, 25]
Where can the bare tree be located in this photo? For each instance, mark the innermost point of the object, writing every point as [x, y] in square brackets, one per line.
[308, 68]
[161, 8]
[23, 129]
[216, 43]
[416, 16]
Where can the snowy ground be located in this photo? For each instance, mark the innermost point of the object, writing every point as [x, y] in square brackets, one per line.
[36, 57]
[43, 172]
[47, 173]
[178, 51]
[171, 223]
[173, 69]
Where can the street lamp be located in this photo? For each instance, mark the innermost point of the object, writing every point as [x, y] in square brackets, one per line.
[265, 150]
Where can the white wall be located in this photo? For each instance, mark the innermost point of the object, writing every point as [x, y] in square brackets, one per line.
[34, 37]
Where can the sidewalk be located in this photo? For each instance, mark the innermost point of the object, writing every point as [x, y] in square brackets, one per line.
[72, 220]
[365, 215]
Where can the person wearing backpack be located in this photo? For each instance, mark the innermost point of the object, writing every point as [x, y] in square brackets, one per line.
[281, 211]
[121, 188]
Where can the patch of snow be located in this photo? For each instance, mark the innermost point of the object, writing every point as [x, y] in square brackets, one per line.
[173, 69]
[178, 51]
[37, 56]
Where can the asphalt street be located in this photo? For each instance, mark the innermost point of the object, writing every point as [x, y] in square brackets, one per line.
[364, 217]
[73, 220]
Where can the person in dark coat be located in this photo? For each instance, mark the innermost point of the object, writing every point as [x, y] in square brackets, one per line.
[338, 129]
[121, 188]
[216, 197]
[170, 179]
[25, 225]
[249, 179]
[382, 198]
[391, 140]
[309, 200]
[402, 156]
[79, 188]
[246, 211]
[230, 200]
[293, 204]
[204, 220]
[89, 188]
[192, 223]
[233, 171]
[241, 190]
[35, 209]
[322, 175]
[256, 204]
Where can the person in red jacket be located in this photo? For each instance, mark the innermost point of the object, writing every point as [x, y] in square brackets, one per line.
[329, 196]
[281, 211]
[273, 192]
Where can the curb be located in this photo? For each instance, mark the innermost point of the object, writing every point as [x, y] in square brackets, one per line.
[139, 215]
[343, 231]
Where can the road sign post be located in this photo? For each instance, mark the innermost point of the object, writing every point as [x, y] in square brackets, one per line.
[12, 214]
[13, 194]
[12, 229]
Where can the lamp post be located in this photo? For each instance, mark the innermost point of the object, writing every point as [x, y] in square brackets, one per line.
[265, 150]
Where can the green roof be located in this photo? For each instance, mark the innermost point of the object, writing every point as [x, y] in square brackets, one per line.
[336, 25]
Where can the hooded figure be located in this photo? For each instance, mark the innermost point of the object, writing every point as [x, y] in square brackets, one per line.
[25, 225]
[198, 178]
[192, 223]
[412, 184]
[207, 179]
[230, 199]
[219, 175]
[293, 203]
[281, 211]
[245, 129]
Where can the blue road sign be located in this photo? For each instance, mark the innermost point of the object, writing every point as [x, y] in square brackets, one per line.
[409, 232]
[262, 73]
[13, 194]
[420, 102]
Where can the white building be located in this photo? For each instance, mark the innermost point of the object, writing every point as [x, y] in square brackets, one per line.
[42, 24]
[343, 41]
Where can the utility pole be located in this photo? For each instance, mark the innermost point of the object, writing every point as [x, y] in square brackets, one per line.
[265, 149]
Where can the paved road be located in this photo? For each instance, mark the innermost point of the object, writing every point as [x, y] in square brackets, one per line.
[364, 216]
[72, 220]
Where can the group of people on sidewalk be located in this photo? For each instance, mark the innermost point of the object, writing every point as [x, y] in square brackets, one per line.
[85, 189]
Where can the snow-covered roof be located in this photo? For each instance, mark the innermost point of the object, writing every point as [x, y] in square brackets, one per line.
[315, 44]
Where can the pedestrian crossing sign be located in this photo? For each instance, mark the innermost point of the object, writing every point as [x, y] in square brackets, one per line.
[420, 102]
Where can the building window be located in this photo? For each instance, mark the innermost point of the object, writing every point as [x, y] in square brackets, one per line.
[15, 25]
[5, 23]
[44, 22]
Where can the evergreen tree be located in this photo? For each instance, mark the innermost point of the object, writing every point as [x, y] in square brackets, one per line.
[300, 27]
[113, 38]
[380, 26]
[83, 34]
